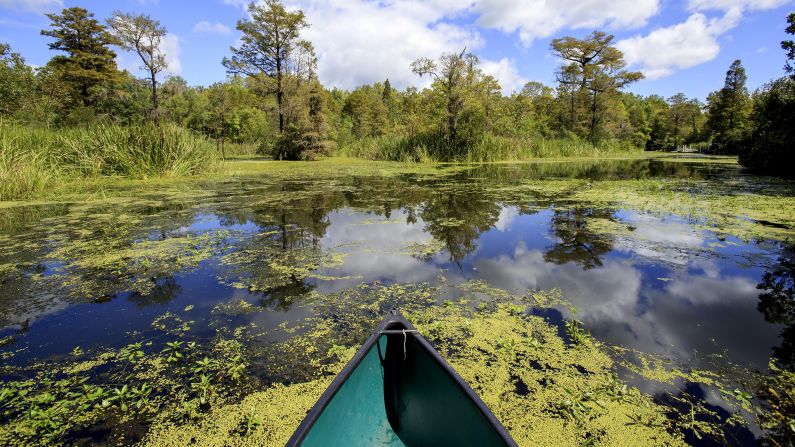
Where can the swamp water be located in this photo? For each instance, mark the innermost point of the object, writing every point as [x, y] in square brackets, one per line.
[588, 302]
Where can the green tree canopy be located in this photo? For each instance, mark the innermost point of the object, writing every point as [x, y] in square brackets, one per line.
[462, 87]
[770, 146]
[789, 45]
[88, 61]
[16, 80]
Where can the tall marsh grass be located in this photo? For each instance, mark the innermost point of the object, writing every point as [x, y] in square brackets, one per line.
[33, 159]
[490, 148]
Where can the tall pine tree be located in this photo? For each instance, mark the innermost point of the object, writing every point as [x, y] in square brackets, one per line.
[729, 111]
[88, 61]
[270, 47]
[789, 45]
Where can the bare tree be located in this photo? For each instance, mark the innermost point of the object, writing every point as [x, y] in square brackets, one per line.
[142, 34]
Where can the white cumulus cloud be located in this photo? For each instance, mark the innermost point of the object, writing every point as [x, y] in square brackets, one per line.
[361, 41]
[170, 47]
[364, 41]
[665, 50]
[692, 42]
[37, 6]
[535, 19]
[507, 215]
[210, 27]
[506, 72]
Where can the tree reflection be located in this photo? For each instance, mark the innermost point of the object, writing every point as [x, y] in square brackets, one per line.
[282, 298]
[777, 304]
[162, 293]
[576, 242]
[285, 251]
[583, 169]
[457, 219]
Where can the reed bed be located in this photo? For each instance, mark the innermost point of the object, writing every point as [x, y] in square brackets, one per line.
[33, 159]
[490, 148]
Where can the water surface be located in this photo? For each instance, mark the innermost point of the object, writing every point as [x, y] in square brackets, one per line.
[250, 249]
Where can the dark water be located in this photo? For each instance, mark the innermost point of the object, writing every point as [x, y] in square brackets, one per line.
[664, 284]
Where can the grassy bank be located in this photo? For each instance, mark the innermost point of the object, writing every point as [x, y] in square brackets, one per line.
[490, 148]
[35, 159]
[40, 161]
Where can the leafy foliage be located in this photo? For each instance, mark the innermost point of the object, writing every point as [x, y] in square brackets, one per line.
[33, 158]
[778, 395]
[729, 111]
[128, 385]
[770, 145]
[789, 45]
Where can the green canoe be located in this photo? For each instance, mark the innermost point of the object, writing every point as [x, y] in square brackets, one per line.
[398, 391]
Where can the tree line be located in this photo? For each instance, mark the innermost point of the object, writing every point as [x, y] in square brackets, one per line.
[273, 100]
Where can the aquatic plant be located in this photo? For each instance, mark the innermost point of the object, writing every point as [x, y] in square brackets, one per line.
[235, 367]
[614, 388]
[132, 352]
[123, 386]
[249, 423]
[173, 351]
[777, 393]
[203, 388]
[576, 330]
[44, 410]
[566, 397]
[577, 407]
[203, 366]
[118, 246]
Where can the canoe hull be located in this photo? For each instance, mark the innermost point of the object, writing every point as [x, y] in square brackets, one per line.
[398, 391]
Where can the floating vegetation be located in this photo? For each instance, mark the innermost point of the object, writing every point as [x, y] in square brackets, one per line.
[240, 365]
[777, 392]
[86, 267]
[424, 250]
[576, 330]
[572, 397]
[729, 207]
[235, 307]
[266, 262]
[545, 390]
[62, 403]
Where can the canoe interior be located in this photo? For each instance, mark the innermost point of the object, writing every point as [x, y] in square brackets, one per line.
[356, 416]
[392, 400]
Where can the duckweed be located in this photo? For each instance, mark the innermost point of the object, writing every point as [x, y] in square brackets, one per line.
[574, 397]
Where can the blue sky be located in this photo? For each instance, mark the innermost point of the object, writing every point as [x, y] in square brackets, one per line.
[681, 46]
